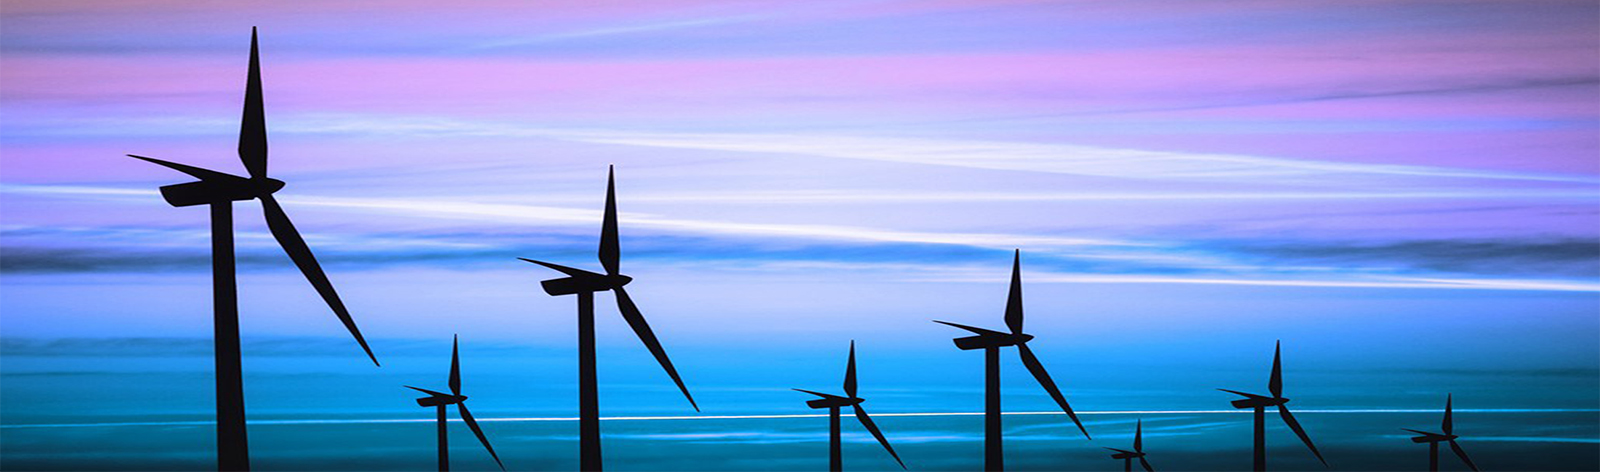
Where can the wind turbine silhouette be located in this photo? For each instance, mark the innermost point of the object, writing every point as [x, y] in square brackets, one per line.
[584, 284]
[1260, 404]
[441, 400]
[991, 342]
[1137, 452]
[220, 190]
[1449, 436]
[834, 402]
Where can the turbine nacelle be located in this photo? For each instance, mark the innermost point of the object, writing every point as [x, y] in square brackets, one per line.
[1257, 401]
[584, 282]
[439, 400]
[205, 192]
[997, 339]
[1427, 437]
[1125, 454]
[832, 401]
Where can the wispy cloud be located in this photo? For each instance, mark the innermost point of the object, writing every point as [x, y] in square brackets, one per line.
[1062, 158]
[616, 30]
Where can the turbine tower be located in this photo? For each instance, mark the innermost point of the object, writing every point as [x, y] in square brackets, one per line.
[834, 402]
[991, 342]
[584, 284]
[1137, 452]
[440, 400]
[1449, 436]
[1260, 404]
[220, 190]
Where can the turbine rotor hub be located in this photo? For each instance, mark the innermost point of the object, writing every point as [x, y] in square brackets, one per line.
[267, 185]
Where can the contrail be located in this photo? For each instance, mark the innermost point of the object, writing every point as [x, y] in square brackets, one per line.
[774, 417]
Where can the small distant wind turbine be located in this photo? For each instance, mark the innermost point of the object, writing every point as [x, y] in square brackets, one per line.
[1137, 452]
[440, 400]
[1449, 436]
[991, 342]
[834, 402]
[584, 284]
[220, 190]
[1260, 404]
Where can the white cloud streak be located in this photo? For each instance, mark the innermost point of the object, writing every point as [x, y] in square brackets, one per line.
[1057, 158]
[1081, 247]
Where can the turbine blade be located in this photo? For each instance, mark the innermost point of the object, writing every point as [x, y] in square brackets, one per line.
[1424, 433]
[1462, 453]
[253, 128]
[1288, 418]
[466, 416]
[455, 365]
[873, 428]
[295, 246]
[1117, 450]
[630, 313]
[850, 373]
[820, 394]
[1242, 394]
[1448, 425]
[1033, 365]
[1014, 299]
[610, 251]
[430, 392]
[1275, 384]
[1145, 464]
[979, 331]
[1138, 436]
[560, 268]
[192, 171]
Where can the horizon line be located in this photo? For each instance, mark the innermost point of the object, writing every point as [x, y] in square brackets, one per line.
[787, 416]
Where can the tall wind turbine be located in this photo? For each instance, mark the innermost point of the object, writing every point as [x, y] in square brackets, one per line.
[1449, 436]
[991, 342]
[1260, 404]
[220, 190]
[1137, 452]
[441, 400]
[584, 284]
[834, 402]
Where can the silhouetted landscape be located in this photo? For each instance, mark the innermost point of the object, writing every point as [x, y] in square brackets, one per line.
[1401, 197]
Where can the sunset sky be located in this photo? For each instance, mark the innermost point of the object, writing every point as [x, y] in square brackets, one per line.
[1409, 146]
[1404, 192]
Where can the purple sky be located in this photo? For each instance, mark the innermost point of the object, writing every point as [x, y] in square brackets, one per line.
[886, 155]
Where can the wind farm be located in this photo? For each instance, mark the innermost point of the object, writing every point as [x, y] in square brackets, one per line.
[1403, 194]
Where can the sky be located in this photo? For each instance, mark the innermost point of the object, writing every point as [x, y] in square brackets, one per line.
[1384, 185]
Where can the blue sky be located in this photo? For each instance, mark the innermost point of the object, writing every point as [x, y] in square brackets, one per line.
[1407, 190]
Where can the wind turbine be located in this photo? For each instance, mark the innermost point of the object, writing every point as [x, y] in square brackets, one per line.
[584, 284]
[834, 402]
[1260, 404]
[1449, 436]
[441, 400]
[991, 342]
[220, 190]
[1137, 452]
